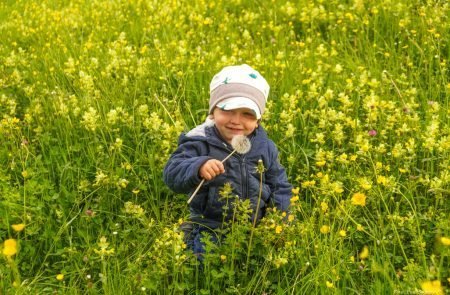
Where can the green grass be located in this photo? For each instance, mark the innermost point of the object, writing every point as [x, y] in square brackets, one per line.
[94, 94]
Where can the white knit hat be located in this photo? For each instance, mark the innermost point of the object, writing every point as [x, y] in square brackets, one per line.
[239, 87]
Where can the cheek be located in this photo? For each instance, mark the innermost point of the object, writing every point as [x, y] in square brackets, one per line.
[252, 125]
[220, 120]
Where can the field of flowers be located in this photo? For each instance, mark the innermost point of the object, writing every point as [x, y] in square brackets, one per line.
[94, 94]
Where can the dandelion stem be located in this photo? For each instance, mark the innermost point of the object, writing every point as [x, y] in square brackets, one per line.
[196, 191]
[229, 156]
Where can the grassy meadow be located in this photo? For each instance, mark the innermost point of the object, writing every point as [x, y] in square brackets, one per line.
[93, 97]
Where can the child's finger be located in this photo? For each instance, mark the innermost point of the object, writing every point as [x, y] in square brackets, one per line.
[221, 167]
[218, 167]
[206, 175]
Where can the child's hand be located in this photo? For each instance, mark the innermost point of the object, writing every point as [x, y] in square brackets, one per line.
[211, 169]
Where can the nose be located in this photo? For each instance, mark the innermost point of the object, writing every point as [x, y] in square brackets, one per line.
[235, 118]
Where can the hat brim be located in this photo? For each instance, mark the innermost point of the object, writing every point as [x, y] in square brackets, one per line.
[233, 103]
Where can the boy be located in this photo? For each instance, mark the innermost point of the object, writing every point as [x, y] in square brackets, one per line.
[238, 95]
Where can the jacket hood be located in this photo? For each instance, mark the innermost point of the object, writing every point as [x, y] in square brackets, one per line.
[200, 129]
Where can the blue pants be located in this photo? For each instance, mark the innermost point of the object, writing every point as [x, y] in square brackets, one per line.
[193, 234]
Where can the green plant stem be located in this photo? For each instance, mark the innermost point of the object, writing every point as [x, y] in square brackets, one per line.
[252, 231]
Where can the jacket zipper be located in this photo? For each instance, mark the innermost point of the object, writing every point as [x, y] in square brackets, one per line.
[244, 179]
[244, 172]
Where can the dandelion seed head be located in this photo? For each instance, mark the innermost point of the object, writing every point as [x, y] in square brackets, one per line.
[241, 144]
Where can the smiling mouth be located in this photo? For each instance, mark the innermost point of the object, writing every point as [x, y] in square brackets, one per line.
[234, 129]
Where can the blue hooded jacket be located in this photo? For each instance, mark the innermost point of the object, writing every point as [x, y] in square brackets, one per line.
[181, 174]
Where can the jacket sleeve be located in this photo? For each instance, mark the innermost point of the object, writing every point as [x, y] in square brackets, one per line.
[181, 170]
[276, 179]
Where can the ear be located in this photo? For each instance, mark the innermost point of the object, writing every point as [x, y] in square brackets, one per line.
[211, 115]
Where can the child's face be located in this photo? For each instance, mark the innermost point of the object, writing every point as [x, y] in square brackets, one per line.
[230, 123]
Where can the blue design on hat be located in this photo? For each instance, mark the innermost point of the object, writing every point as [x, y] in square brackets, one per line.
[253, 75]
[226, 80]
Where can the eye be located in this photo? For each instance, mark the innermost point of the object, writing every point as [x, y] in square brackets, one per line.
[249, 114]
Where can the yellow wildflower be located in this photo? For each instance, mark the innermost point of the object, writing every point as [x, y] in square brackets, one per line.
[278, 229]
[342, 233]
[103, 247]
[382, 180]
[432, 287]
[18, 227]
[325, 229]
[296, 191]
[291, 218]
[324, 206]
[294, 199]
[337, 187]
[122, 183]
[10, 247]
[223, 258]
[445, 241]
[365, 183]
[329, 284]
[359, 227]
[359, 199]
[280, 261]
[343, 158]
[306, 184]
[136, 210]
[364, 253]
[321, 163]
[60, 277]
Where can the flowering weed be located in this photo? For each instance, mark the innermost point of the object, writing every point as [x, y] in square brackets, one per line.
[94, 94]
